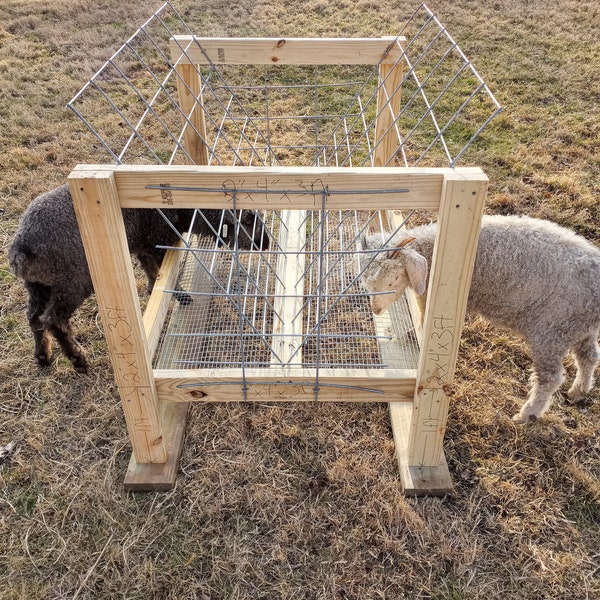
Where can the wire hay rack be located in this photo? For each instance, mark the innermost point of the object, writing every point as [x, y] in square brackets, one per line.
[300, 143]
[292, 114]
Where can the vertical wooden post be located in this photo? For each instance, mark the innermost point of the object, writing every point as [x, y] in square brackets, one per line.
[189, 89]
[422, 425]
[388, 106]
[389, 94]
[101, 224]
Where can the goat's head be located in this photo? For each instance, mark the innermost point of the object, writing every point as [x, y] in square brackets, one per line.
[247, 227]
[252, 233]
[228, 226]
[391, 272]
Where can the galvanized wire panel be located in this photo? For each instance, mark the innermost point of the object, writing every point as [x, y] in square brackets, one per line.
[288, 114]
[446, 103]
[245, 309]
[236, 302]
[338, 322]
[228, 319]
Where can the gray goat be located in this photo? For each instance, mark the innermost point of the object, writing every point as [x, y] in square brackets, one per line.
[531, 276]
[47, 253]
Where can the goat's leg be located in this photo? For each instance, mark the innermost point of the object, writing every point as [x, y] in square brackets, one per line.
[71, 348]
[39, 296]
[57, 319]
[547, 377]
[587, 355]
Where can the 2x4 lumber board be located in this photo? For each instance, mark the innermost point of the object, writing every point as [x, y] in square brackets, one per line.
[416, 481]
[459, 222]
[389, 95]
[286, 384]
[289, 290]
[158, 303]
[285, 51]
[103, 233]
[173, 415]
[161, 477]
[303, 188]
[189, 91]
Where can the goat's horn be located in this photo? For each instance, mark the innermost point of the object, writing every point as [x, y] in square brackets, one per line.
[393, 253]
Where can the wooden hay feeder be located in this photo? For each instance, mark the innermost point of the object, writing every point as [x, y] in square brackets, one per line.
[290, 322]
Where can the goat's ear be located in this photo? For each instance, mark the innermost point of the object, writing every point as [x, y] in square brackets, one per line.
[395, 252]
[370, 241]
[416, 269]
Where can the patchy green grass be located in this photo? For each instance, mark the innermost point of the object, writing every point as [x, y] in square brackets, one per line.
[303, 501]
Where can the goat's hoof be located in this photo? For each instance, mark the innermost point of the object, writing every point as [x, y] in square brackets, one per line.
[44, 360]
[575, 395]
[80, 365]
[524, 419]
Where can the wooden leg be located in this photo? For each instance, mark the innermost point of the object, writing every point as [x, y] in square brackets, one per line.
[159, 477]
[416, 481]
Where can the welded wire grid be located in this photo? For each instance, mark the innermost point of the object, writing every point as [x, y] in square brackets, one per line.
[239, 306]
[268, 115]
[229, 320]
[285, 115]
[338, 322]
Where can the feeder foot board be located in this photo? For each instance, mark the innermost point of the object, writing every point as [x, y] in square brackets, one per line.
[161, 477]
[416, 481]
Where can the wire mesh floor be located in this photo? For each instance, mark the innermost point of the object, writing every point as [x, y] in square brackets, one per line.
[298, 304]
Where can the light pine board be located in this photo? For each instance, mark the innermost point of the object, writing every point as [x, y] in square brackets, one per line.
[284, 51]
[101, 224]
[459, 222]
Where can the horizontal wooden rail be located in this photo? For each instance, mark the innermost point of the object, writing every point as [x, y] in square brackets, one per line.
[286, 51]
[302, 188]
[334, 385]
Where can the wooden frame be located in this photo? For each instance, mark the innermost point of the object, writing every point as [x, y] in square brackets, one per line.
[154, 401]
[150, 397]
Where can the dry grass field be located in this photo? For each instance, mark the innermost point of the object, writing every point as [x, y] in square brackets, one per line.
[290, 501]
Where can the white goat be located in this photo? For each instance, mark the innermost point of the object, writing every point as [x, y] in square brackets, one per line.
[537, 279]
